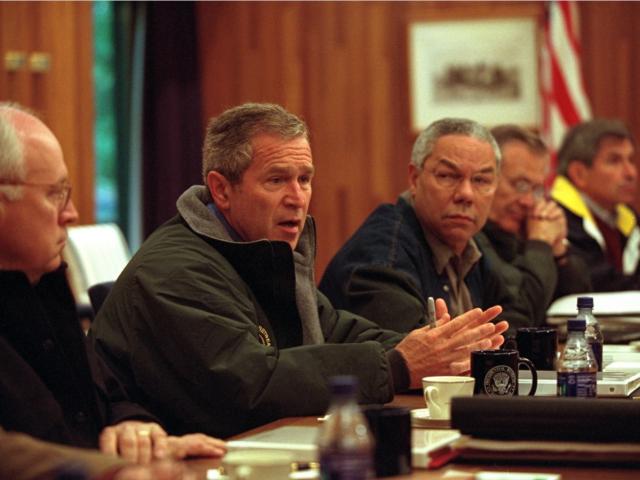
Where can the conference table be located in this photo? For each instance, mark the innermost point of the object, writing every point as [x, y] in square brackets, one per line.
[453, 470]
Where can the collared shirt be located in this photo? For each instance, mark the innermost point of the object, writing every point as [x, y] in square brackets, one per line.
[603, 214]
[227, 226]
[607, 223]
[456, 266]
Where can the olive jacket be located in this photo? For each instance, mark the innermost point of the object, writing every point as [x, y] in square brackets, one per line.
[220, 336]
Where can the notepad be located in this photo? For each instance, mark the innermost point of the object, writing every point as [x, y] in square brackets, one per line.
[302, 442]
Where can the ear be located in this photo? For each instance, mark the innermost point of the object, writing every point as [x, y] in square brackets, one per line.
[220, 189]
[577, 173]
[414, 173]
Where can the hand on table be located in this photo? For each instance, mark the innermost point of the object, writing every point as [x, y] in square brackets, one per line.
[446, 349]
[142, 442]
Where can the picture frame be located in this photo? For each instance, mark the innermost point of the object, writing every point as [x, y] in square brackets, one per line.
[482, 69]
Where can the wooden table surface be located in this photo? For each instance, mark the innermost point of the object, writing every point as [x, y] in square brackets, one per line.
[452, 471]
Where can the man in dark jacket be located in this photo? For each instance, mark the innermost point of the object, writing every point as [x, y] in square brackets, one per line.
[423, 245]
[597, 181]
[51, 385]
[216, 322]
[525, 236]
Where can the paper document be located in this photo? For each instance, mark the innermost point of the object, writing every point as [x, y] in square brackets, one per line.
[609, 304]
[302, 442]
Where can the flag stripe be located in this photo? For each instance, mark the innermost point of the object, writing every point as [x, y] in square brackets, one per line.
[567, 13]
[568, 60]
[562, 91]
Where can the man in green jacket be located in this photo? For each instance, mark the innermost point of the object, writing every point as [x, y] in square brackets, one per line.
[217, 322]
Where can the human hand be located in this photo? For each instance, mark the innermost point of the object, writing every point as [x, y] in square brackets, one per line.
[446, 349]
[546, 222]
[136, 441]
[155, 471]
[196, 445]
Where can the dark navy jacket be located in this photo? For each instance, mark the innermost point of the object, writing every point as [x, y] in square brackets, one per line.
[386, 271]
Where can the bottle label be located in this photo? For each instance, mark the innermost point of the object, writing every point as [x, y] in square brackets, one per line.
[345, 466]
[577, 384]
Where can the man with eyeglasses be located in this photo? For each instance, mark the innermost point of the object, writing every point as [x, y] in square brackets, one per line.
[52, 385]
[422, 246]
[596, 184]
[525, 235]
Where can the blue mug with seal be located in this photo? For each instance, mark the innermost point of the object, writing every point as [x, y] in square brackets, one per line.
[496, 372]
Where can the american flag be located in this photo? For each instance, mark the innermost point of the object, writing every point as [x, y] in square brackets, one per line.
[564, 100]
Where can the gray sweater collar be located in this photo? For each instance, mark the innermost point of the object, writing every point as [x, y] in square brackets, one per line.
[192, 205]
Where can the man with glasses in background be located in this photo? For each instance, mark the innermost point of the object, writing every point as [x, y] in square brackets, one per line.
[525, 236]
[52, 385]
[423, 245]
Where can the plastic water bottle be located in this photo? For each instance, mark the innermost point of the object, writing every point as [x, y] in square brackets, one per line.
[593, 331]
[345, 446]
[577, 369]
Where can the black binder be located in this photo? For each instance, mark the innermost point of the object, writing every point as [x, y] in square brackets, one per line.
[543, 418]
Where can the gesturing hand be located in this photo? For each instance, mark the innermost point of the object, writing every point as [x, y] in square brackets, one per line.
[446, 349]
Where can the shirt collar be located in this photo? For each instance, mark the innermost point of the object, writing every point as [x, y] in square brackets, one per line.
[603, 214]
[227, 226]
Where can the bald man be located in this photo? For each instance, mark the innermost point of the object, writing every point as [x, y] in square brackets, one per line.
[52, 386]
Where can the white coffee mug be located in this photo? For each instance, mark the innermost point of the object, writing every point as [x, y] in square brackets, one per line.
[257, 464]
[438, 392]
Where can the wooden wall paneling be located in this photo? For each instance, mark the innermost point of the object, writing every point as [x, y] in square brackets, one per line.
[84, 110]
[67, 93]
[63, 93]
[14, 17]
[292, 48]
[343, 66]
[379, 70]
[215, 22]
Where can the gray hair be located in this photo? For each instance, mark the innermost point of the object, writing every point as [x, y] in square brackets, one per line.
[423, 146]
[582, 142]
[515, 133]
[12, 167]
[227, 144]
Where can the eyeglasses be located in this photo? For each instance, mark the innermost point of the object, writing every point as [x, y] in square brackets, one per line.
[483, 183]
[58, 193]
[525, 187]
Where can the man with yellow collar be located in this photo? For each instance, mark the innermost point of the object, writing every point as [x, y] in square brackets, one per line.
[597, 179]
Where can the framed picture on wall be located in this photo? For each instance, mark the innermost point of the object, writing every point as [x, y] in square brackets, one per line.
[483, 69]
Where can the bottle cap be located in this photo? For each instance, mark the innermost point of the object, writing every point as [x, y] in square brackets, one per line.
[576, 325]
[585, 302]
[343, 384]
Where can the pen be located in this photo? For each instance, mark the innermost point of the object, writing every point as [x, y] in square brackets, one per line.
[431, 312]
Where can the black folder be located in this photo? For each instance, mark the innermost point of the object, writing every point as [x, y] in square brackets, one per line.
[543, 418]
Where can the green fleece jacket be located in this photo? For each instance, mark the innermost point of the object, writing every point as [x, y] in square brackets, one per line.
[221, 336]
